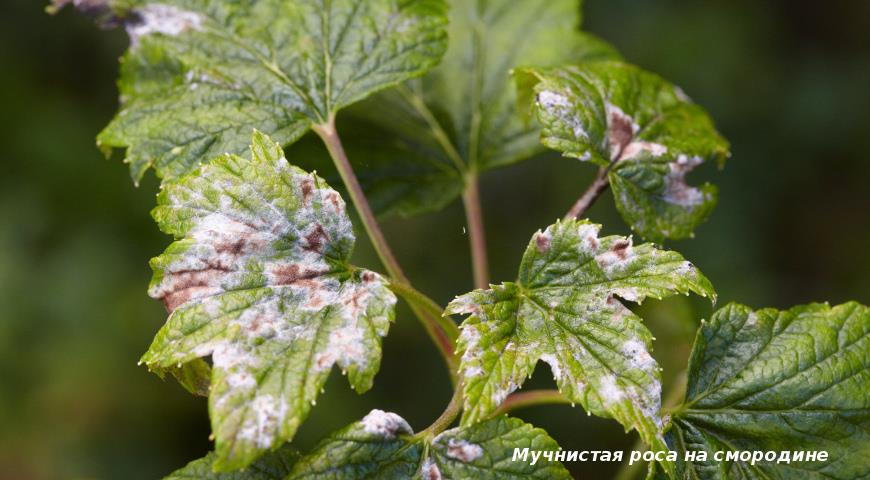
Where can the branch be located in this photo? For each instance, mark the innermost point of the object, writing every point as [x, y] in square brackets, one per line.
[431, 323]
[476, 235]
[595, 189]
[531, 398]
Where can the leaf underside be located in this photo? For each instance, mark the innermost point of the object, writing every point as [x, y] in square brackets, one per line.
[259, 280]
[565, 309]
[201, 74]
[381, 446]
[414, 146]
[769, 380]
[645, 130]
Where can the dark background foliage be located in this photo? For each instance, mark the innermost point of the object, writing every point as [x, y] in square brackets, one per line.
[787, 82]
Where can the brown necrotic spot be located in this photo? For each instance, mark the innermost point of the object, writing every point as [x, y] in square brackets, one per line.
[542, 242]
[182, 286]
[307, 190]
[620, 132]
[295, 273]
[621, 249]
[316, 239]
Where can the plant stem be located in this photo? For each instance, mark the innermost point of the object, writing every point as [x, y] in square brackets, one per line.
[447, 417]
[431, 323]
[595, 189]
[531, 398]
[413, 296]
[476, 235]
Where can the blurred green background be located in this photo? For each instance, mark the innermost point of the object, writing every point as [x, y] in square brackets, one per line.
[787, 82]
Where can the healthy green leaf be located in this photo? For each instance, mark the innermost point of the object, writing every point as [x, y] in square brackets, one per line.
[769, 380]
[272, 466]
[417, 143]
[382, 447]
[645, 130]
[565, 310]
[259, 280]
[200, 74]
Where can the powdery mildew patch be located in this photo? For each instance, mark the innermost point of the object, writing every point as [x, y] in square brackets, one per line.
[621, 136]
[676, 190]
[558, 106]
[463, 451]
[429, 470]
[163, 19]
[385, 424]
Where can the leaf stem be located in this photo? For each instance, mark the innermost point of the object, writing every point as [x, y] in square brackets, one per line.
[447, 417]
[476, 234]
[413, 296]
[519, 400]
[595, 189]
[431, 322]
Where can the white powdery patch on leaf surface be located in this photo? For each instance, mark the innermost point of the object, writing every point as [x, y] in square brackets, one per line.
[463, 451]
[162, 19]
[385, 424]
[676, 189]
[259, 280]
[558, 106]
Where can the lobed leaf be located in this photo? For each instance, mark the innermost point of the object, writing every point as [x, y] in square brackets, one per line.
[200, 74]
[769, 380]
[259, 280]
[414, 146]
[643, 129]
[382, 446]
[565, 309]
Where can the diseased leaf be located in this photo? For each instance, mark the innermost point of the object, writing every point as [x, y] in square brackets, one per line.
[200, 74]
[259, 280]
[272, 466]
[645, 130]
[417, 143]
[381, 446]
[769, 380]
[565, 310]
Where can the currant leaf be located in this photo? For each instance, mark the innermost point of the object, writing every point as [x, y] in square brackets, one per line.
[259, 280]
[565, 309]
[382, 446]
[200, 74]
[769, 380]
[643, 129]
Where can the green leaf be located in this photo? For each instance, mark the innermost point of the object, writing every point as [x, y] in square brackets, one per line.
[382, 446]
[565, 310]
[272, 466]
[645, 130]
[769, 380]
[461, 118]
[200, 74]
[259, 280]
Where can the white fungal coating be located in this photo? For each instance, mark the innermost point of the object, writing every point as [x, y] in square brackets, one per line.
[164, 19]
[463, 451]
[558, 105]
[265, 420]
[676, 189]
[621, 136]
[609, 390]
[429, 470]
[554, 364]
[385, 424]
[638, 356]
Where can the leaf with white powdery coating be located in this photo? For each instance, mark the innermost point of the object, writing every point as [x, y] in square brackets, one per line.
[565, 310]
[769, 380]
[462, 116]
[382, 446]
[259, 280]
[200, 74]
[645, 130]
[272, 466]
